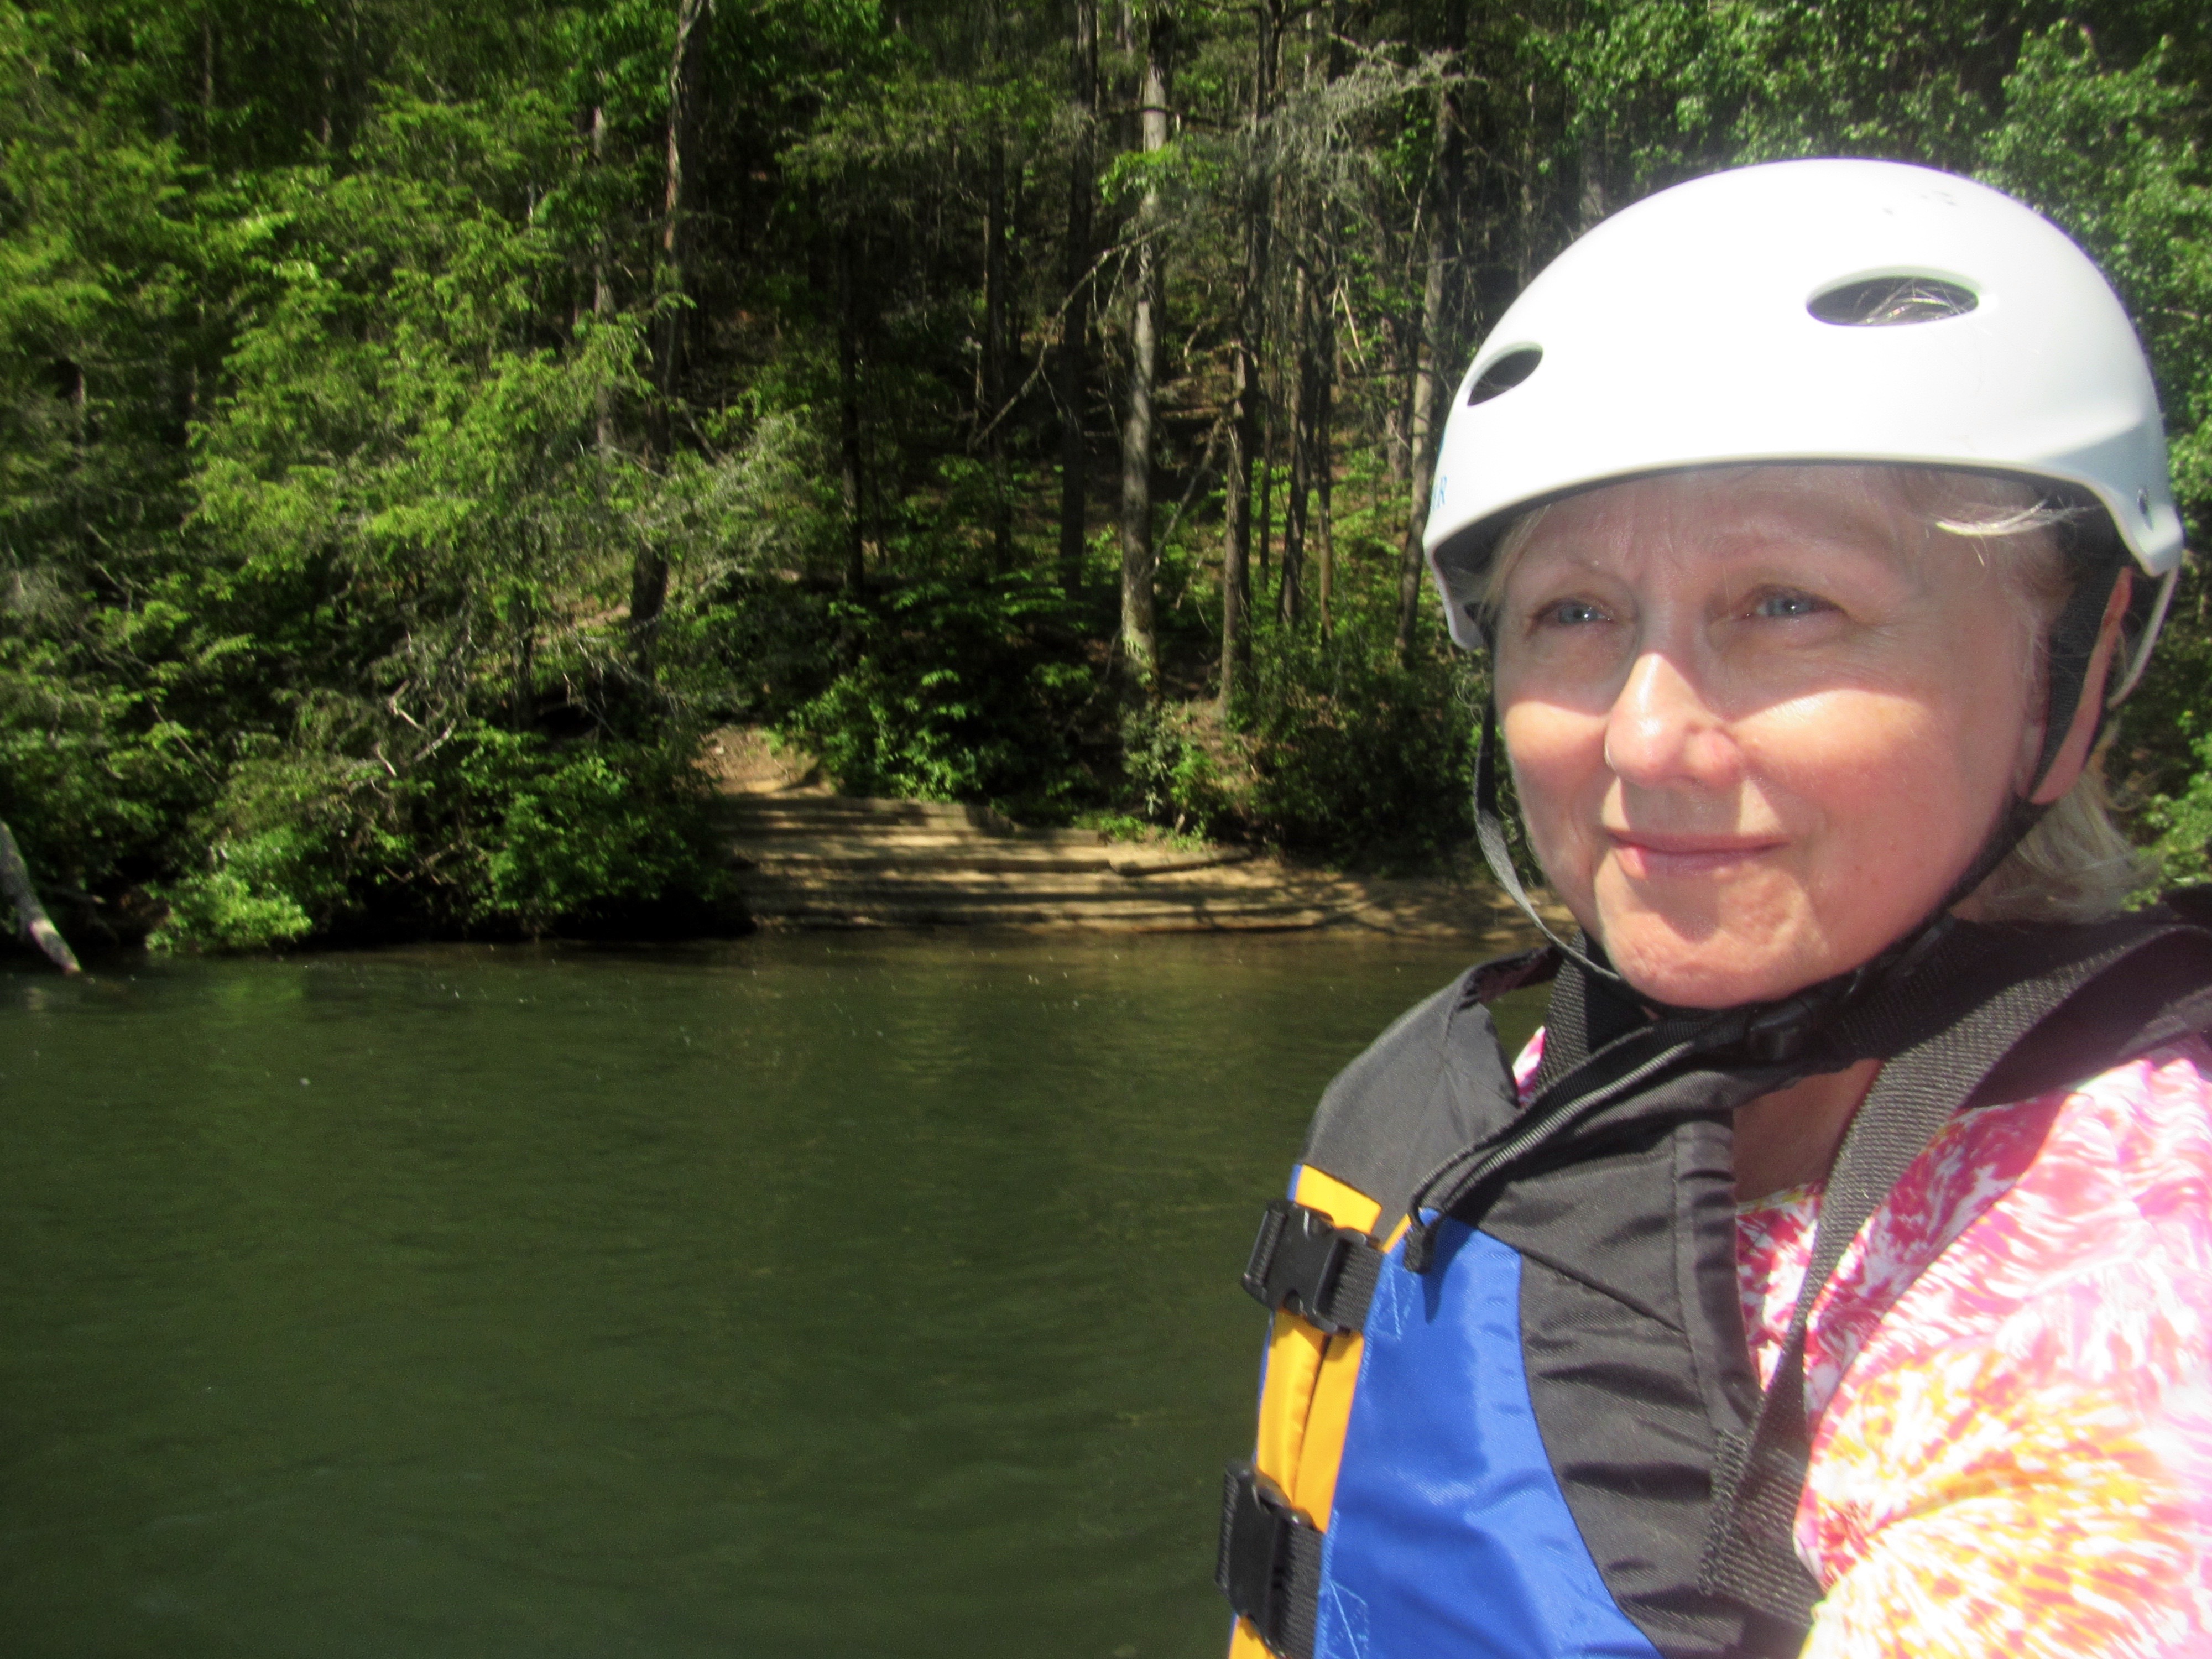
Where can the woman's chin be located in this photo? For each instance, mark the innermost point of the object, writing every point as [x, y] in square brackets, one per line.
[1712, 944]
[1717, 971]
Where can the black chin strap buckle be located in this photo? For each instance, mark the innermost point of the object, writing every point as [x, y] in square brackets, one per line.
[1779, 1034]
[1324, 1273]
[1269, 1566]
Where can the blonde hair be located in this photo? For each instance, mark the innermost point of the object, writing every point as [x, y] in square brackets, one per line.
[2075, 865]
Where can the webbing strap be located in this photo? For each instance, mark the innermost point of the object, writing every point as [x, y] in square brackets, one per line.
[1759, 1477]
[1457, 1179]
[1304, 1263]
[2073, 643]
[1269, 1565]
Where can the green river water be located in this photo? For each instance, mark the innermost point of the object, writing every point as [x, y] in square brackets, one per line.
[798, 1296]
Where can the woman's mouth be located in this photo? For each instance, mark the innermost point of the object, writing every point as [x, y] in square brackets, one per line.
[1657, 855]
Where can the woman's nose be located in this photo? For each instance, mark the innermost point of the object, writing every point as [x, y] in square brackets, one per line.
[1662, 733]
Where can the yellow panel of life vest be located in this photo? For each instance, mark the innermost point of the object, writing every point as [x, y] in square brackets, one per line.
[1305, 1405]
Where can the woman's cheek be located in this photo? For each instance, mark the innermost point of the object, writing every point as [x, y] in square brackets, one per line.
[1889, 799]
[1558, 774]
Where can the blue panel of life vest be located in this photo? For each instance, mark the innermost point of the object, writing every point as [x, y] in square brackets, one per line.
[1450, 1534]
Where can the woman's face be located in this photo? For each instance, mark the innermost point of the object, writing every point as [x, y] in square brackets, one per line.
[1761, 721]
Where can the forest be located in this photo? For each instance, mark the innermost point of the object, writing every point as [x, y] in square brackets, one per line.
[421, 423]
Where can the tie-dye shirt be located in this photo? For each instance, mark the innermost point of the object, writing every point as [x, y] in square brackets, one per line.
[2010, 1380]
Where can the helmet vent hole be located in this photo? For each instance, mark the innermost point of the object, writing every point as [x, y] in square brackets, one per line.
[1504, 374]
[1886, 302]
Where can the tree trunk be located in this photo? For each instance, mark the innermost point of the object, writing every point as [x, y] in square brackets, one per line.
[1430, 373]
[1289, 596]
[1326, 492]
[649, 587]
[1011, 312]
[1075, 331]
[1324, 450]
[32, 921]
[1236, 511]
[1139, 638]
[1525, 270]
[1246, 393]
[1594, 206]
[522, 692]
[207, 89]
[850, 481]
[1266, 490]
[1397, 415]
[603, 288]
[648, 595]
[1329, 220]
[993, 365]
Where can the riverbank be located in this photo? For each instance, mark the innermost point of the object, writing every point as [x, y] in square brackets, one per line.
[807, 857]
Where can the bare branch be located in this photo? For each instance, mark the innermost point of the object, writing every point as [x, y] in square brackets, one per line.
[32, 921]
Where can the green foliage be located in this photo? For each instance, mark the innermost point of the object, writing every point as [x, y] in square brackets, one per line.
[353, 383]
[587, 837]
[231, 908]
[290, 673]
[1174, 773]
[957, 690]
[91, 780]
[2112, 153]
[2183, 822]
[1356, 756]
[276, 865]
[499, 833]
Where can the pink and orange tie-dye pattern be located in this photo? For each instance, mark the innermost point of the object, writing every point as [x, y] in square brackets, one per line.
[2010, 1376]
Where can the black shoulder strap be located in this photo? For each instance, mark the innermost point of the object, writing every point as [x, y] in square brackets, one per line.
[1436, 1081]
[1759, 1476]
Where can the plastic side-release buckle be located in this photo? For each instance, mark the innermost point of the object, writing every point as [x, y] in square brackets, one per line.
[1325, 1275]
[1270, 1561]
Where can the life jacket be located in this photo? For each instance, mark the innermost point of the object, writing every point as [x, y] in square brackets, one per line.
[1524, 1422]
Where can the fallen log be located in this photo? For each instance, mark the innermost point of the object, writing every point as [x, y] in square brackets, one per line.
[31, 918]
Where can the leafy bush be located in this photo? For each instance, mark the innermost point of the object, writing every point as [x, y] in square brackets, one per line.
[1173, 765]
[959, 689]
[277, 862]
[498, 832]
[1335, 750]
[596, 836]
[1355, 756]
[2183, 821]
[228, 910]
[94, 784]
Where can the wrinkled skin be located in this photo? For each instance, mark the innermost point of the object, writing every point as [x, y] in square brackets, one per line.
[1761, 720]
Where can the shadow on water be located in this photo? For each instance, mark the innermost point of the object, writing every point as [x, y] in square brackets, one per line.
[798, 1296]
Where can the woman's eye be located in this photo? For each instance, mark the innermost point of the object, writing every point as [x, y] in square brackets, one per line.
[1570, 613]
[1781, 606]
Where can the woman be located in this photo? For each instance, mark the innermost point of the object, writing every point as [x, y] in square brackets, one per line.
[1834, 1274]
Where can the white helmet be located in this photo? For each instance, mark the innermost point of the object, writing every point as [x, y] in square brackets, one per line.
[1823, 310]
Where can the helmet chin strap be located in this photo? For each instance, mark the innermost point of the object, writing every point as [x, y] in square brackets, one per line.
[1782, 1026]
[1490, 835]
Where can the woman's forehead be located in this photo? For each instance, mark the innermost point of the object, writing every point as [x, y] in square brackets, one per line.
[1717, 509]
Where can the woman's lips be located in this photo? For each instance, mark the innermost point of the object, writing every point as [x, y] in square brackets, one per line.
[1650, 855]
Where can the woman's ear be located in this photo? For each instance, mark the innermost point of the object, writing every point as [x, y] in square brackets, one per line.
[2074, 753]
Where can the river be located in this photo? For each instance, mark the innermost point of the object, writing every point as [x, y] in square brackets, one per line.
[803, 1295]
